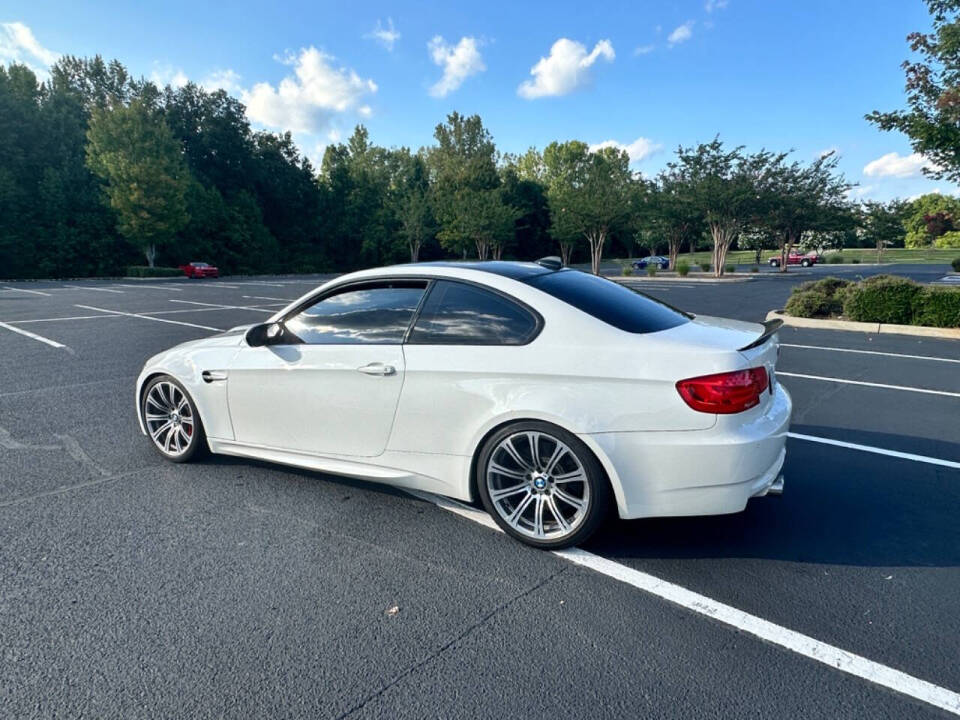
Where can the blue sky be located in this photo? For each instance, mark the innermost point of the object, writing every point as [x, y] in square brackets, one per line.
[646, 75]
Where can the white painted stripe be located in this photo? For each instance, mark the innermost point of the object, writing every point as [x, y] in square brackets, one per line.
[217, 306]
[219, 285]
[261, 282]
[96, 289]
[32, 292]
[262, 297]
[871, 352]
[149, 317]
[809, 647]
[56, 319]
[20, 331]
[926, 391]
[879, 451]
[150, 287]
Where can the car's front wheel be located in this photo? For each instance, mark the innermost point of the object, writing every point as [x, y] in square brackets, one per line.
[542, 485]
[774, 262]
[172, 420]
[805, 263]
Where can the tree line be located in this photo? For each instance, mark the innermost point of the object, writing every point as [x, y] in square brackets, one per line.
[100, 171]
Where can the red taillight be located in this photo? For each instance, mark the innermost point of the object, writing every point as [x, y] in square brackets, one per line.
[724, 393]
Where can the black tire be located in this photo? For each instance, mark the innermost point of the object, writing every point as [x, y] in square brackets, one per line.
[774, 262]
[184, 436]
[805, 263]
[593, 490]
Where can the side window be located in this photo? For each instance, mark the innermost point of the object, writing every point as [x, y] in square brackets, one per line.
[458, 313]
[379, 313]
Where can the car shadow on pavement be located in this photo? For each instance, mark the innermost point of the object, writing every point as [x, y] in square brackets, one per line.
[840, 507]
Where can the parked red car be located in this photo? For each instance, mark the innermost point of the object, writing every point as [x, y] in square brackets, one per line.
[200, 270]
[795, 258]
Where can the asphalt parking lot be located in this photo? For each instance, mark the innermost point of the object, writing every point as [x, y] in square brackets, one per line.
[132, 587]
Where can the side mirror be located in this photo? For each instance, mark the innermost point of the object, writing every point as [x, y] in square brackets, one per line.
[265, 334]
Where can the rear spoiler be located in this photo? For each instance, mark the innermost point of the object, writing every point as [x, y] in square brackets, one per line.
[770, 327]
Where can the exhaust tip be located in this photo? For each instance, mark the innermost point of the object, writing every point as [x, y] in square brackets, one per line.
[776, 487]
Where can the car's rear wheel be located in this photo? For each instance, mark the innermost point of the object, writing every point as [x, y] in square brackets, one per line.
[542, 485]
[774, 262]
[172, 420]
[805, 263]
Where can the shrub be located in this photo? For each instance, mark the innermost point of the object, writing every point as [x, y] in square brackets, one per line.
[835, 259]
[956, 264]
[151, 272]
[855, 261]
[755, 269]
[950, 239]
[683, 267]
[829, 285]
[705, 266]
[651, 270]
[809, 303]
[729, 268]
[937, 307]
[881, 299]
[627, 270]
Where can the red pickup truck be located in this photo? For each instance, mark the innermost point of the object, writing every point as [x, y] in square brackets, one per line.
[795, 258]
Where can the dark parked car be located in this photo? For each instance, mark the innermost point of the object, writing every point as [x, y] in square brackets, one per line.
[661, 262]
[200, 270]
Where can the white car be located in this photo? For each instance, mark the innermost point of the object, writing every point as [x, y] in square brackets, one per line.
[547, 394]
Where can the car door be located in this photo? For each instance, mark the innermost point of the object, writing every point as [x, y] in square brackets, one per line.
[468, 356]
[331, 388]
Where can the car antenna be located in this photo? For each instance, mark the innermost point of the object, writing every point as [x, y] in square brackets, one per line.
[552, 262]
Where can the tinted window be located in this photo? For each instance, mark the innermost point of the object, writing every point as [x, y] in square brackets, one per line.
[368, 314]
[457, 313]
[609, 301]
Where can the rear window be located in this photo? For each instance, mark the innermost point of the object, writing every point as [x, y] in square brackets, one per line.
[611, 302]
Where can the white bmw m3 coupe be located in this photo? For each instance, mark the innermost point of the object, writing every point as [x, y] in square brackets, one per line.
[547, 394]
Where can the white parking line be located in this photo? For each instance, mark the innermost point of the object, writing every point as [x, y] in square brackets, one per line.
[225, 307]
[48, 341]
[876, 450]
[871, 352]
[926, 391]
[151, 287]
[809, 647]
[32, 292]
[261, 282]
[149, 317]
[262, 297]
[97, 289]
[219, 284]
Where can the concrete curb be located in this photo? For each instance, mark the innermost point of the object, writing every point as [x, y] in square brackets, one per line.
[875, 328]
[733, 278]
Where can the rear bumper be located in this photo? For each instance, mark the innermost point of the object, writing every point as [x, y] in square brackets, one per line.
[702, 472]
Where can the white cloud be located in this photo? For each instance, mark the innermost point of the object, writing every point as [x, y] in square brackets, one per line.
[458, 61]
[164, 75]
[712, 5]
[565, 69]
[644, 49]
[896, 165]
[18, 45]
[305, 101]
[386, 36]
[859, 192]
[228, 80]
[638, 150]
[681, 34]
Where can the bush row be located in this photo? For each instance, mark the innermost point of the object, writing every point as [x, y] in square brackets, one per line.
[144, 271]
[880, 299]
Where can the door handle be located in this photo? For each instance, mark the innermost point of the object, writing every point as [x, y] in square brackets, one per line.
[378, 369]
[210, 376]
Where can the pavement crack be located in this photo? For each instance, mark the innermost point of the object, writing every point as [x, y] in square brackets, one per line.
[452, 642]
[8, 442]
[73, 449]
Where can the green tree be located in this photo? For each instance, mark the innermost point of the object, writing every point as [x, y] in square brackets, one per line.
[932, 120]
[413, 203]
[145, 178]
[673, 212]
[795, 199]
[729, 187]
[928, 217]
[882, 224]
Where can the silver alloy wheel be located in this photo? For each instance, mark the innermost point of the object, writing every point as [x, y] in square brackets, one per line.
[538, 485]
[169, 418]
